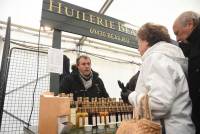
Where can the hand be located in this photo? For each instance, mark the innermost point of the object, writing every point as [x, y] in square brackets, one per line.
[121, 85]
[125, 94]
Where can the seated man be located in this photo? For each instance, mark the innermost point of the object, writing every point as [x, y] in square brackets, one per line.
[83, 81]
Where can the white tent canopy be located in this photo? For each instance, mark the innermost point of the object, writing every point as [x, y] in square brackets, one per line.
[28, 13]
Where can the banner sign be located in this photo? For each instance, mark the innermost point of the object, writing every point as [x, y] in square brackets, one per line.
[74, 19]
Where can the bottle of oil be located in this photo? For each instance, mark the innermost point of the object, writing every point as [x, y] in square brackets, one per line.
[112, 114]
[79, 117]
[73, 110]
[118, 114]
[85, 116]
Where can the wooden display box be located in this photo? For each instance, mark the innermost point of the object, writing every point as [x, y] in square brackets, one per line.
[52, 107]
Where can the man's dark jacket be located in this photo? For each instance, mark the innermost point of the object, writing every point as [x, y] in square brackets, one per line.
[73, 84]
[192, 51]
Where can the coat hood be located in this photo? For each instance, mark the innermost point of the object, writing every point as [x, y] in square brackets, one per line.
[169, 50]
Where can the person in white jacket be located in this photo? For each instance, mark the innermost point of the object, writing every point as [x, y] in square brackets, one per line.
[163, 77]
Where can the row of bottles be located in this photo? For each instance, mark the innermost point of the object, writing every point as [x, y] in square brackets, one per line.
[98, 111]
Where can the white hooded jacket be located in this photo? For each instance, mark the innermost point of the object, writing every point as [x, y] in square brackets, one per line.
[162, 77]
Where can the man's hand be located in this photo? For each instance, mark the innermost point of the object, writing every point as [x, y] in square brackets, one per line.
[125, 94]
[121, 85]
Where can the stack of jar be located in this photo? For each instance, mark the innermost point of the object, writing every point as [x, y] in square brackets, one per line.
[98, 111]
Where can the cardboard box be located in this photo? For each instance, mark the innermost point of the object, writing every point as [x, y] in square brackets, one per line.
[52, 107]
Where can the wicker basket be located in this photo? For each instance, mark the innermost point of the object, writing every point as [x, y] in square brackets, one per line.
[142, 122]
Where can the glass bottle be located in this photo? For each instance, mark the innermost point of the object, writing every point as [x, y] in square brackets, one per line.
[85, 116]
[79, 117]
[73, 110]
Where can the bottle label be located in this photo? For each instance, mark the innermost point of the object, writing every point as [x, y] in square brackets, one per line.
[119, 117]
[80, 121]
[73, 116]
[94, 121]
[129, 116]
[98, 120]
[113, 118]
[107, 119]
[86, 121]
[102, 119]
[123, 117]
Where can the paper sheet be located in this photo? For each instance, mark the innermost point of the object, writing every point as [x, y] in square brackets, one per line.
[55, 60]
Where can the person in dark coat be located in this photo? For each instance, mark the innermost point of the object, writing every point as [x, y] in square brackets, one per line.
[66, 65]
[130, 86]
[83, 81]
[187, 30]
[132, 82]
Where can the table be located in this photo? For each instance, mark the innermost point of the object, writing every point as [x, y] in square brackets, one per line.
[34, 130]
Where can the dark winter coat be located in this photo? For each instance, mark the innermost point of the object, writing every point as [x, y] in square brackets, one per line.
[66, 65]
[73, 84]
[192, 51]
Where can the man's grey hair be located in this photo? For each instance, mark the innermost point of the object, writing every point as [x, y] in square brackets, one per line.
[82, 56]
[187, 16]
